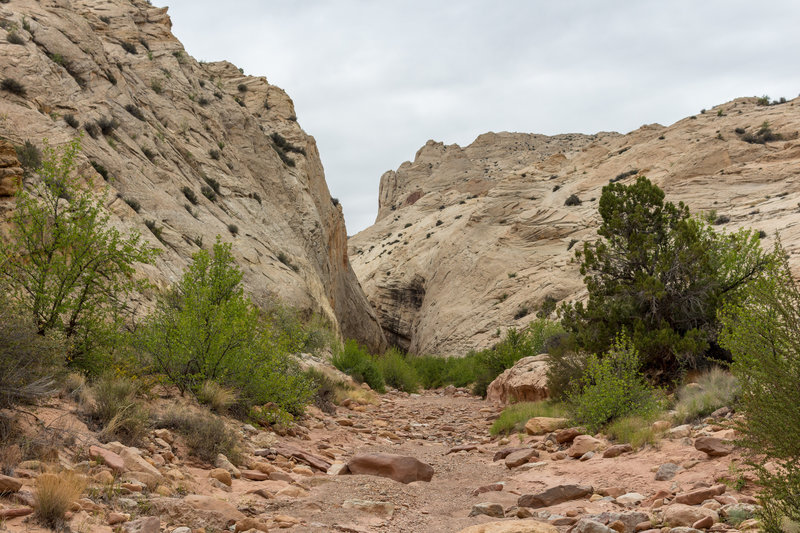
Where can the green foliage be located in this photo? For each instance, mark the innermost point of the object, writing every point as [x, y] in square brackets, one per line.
[204, 433]
[566, 367]
[397, 372]
[612, 387]
[514, 417]
[189, 194]
[355, 361]
[117, 410]
[29, 156]
[634, 430]
[517, 344]
[29, 362]
[71, 271]
[206, 328]
[128, 47]
[660, 275]
[15, 38]
[763, 334]
[435, 372]
[714, 389]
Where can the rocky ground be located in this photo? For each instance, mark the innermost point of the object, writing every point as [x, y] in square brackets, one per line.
[556, 481]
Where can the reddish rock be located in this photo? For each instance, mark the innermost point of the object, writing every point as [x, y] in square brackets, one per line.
[14, 513]
[254, 475]
[698, 496]
[554, 495]
[520, 457]
[582, 444]
[567, 435]
[108, 458]
[462, 448]
[704, 523]
[397, 467]
[493, 487]
[505, 452]
[617, 450]
[713, 447]
[9, 484]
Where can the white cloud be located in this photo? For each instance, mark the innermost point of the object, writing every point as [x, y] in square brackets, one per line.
[373, 80]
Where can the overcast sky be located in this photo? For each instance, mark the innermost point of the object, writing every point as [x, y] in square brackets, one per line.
[372, 80]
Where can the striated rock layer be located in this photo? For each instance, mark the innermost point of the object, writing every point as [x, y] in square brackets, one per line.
[158, 123]
[472, 240]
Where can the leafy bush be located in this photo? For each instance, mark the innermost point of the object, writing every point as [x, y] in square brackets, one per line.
[714, 389]
[233, 229]
[435, 372]
[156, 86]
[29, 156]
[661, 275]
[214, 184]
[29, 362]
[762, 333]
[214, 154]
[208, 192]
[612, 387]
[762, 136]
[55, 494]
[189, 194]
[397, 372]
[70, 270]
[566, 366]
[204, 433]
[207, 329]
[13, 86]
[107, 125]
[515, 416]
[326, 391]
[354, 360]
[100, 169]
[634, 430]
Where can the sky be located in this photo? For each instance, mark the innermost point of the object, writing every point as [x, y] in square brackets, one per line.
[373, 80]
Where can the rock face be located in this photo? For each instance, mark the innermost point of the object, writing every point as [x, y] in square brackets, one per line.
[472, 239]
[10, 170]
[526, 381]
[397, 467]
[198, 149]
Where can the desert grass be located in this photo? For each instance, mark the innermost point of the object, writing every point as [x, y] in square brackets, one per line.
[55, 493]
[514, 417]
[712, 390]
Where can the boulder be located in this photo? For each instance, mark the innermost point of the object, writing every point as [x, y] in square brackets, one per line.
[520, 457]
[397, 467]
[525, 381]
[148, 524]
[567, 435]
[9, 484]
[587, 525]
[667, 471]
[582, 444]
[539, 425]
[136, 463]
[512, 526]
[221, 475]
[698, 496]
[221, 508]
[555, 495]
[108, 458]
[489, 509]
[617, 450]
[712, 446]
[678, 514]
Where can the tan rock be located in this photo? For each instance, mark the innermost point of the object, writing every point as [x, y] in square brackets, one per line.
[582, 444]
[525, 381]
[136, 463]
[108, 458]
[9, 484]
[400, 468]
[248, 524]
[678, 514]
[512, 526]
[713, 447]
[540, 425]
[214, 505]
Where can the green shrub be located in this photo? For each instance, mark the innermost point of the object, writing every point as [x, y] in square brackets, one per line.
[397, 372]
[714, 389]
[612, 387]
[133, 203]
[233, 229]
[566, 366]
[135, 111]
[354, 360]
[435, 372]
[156, 86]
[209, 193]
[515, 416]
[205, 434]
[326, 390]
[189, 194]
[763, 334]
[214, 154]
[100, 169]
[634, 430]
[29, 156]
[573, 200]
[214, 184]
[107, 125]
[216, 396]
[207, 329]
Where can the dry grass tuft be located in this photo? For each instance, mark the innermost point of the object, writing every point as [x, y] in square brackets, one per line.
[216, 396]
[55, 493]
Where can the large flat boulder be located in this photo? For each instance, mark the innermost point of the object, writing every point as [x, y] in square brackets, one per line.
[397, 467]
[526, 381]
[554, 496]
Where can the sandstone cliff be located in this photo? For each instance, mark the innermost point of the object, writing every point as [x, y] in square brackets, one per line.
[469, 240]
[161, 128]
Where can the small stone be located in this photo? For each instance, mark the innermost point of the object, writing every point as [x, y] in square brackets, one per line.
[338, 469]
[679, 432]
[303, 471]
[253, 475]
[9, 484]
[248, 524]
[555, 495]
[631, 498]
[114, 518]
[520, 457]
[148, 524]
[712, 446]
[617, 450]
[586, 456]
[104, 477]
[698, 496]
[488, 488]
[108, 458]
[221, 475]
[667, 471]
[566, 435]
[489, 509]
[704, 523]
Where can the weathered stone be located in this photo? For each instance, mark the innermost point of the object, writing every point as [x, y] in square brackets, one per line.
[713, 447]
[15, 512]
[617, 450]
[678, 514]
[492, 487]
[338, 469]
[554, 495]
[631, 498]
[108, 458]
[9, 484]
[382, 509]
[587, 525]
[400, 468]
[489, 509]
[704, 523]
[540, 425]
[567, 435]
[249, 524]
[582, 444]
[698, 496]
[525, 381]
[254, 475]
[148, 524]
[136, 463]
[512, 526]
[520, 457]
[667, 471]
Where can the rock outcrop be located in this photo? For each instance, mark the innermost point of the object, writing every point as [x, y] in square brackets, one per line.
[193, 149]
[469, 240]
[526, 381]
